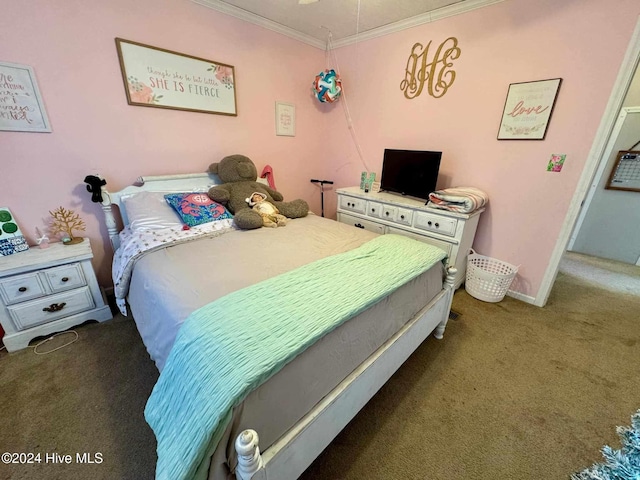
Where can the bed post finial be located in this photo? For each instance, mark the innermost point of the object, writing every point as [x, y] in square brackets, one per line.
[450, 279]
[249, 459]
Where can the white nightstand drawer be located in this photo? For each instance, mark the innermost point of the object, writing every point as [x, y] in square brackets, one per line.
[436, 223]
[36, 312]
[354, 204]
[20, 288]
[360, 223]
[65, 278]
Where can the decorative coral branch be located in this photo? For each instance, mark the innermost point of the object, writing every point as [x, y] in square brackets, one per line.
[65, 221]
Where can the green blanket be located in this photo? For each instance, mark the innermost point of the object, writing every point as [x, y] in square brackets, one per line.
[228, 348]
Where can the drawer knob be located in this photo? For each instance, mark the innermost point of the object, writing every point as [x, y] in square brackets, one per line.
[429, 223]
[65, 279]
[437, 225]
[373, 209]
[54, 307]
[358, 225]
[386, 213]
[402, 217]
[22, 289]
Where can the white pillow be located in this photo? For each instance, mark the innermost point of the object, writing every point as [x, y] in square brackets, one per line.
[150, 211]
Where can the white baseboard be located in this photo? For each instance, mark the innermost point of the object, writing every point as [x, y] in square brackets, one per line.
[521, 296]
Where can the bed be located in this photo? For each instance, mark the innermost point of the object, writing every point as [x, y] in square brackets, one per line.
[168, 278]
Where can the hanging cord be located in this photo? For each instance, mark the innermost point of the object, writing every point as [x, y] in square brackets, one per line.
[345, 104]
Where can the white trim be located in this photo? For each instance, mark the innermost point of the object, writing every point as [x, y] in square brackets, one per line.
[600, 171]
[620, 89]
[522, 297]
[429, 17]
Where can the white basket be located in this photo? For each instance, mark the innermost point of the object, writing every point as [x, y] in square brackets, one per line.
[488, 279]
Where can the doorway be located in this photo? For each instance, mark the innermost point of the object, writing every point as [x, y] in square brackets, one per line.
[620, 90]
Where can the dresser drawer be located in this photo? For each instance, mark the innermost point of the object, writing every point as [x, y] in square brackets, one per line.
[352, 203]
[447, 247]
[360, 223]
[65, 278]
[404, 216]
[389, 212]
[21, 288]
[436, 223]
[29, 314]
[374, 209]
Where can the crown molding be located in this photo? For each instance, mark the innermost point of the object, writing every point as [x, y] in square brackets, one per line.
[439, 14]
[429, 17]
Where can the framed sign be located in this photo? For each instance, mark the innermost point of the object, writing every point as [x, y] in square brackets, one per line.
[154, 77]
[528, 109]
[21, 106]
[285, 119]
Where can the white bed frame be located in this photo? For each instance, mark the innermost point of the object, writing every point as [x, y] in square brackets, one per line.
[290, 456]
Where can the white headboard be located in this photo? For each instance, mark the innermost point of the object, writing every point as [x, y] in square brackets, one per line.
[186, 182]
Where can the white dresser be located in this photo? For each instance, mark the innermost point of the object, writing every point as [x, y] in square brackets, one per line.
[49, 290]
[390, 213]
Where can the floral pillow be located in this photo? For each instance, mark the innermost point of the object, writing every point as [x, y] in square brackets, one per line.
[197, 208]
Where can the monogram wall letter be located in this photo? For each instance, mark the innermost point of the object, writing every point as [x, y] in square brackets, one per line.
[435, 71]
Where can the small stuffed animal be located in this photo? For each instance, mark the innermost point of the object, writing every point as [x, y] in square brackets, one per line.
[271, 216]
[239, 175]
[94, 187]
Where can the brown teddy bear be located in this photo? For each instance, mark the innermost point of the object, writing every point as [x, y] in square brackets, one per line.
[239, 175]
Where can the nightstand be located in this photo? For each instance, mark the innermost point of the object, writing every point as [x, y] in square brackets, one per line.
[48, 290]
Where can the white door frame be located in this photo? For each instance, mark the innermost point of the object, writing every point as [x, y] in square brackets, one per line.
[620, 89]
[602, 166]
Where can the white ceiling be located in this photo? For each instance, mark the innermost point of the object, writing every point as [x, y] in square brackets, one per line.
[347, 20]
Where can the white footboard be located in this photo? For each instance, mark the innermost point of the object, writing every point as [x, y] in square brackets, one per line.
[290, 456]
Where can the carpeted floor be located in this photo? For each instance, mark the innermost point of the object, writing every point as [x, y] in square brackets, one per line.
[512, 392]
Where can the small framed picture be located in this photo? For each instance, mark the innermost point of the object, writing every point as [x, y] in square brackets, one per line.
[528, 109]
[285, 119]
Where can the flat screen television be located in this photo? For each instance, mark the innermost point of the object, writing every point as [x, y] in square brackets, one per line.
[410, 172]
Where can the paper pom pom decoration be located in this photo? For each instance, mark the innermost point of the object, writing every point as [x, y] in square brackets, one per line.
[327, 86]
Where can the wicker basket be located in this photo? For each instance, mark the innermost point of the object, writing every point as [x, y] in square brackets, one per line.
[488, 279]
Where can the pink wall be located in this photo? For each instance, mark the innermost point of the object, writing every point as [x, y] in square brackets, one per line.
[513, 41]
[71, 46]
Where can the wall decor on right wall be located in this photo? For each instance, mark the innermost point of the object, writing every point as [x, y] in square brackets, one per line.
[528, 109]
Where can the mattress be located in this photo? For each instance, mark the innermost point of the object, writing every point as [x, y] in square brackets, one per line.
[170, 283]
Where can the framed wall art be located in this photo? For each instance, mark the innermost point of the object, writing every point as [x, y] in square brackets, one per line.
[625, 174]
[285, 119]
[21, 105]
[528, 109]
[155, 77]
[11, 238]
